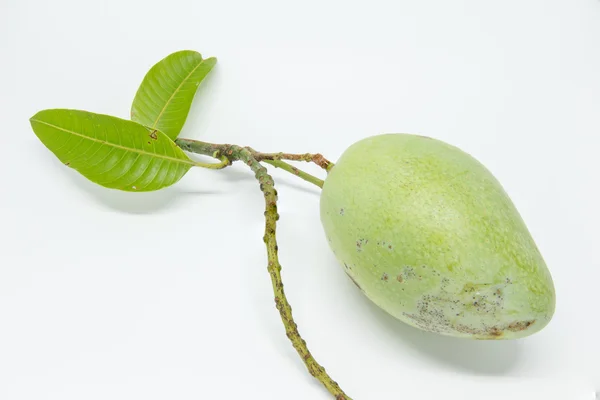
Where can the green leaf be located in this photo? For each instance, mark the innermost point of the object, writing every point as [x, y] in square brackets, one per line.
[110, 151]
[165, 96]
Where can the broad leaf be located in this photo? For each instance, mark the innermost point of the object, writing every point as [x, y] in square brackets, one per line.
[110, 151]
[165, 96]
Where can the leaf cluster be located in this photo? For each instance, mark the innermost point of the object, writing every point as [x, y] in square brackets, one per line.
[138, 154]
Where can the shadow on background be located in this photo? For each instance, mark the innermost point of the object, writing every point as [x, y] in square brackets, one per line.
[159, 200]
[134, 203]
[484, 357]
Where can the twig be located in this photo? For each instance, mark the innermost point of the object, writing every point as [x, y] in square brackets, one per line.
[267, 186]
[308, 157]
[298, 172]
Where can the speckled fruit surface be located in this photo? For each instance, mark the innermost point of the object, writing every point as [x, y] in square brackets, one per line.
[430, 236]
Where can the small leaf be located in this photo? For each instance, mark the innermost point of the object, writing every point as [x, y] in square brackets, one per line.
[165, 96]
[110, 151]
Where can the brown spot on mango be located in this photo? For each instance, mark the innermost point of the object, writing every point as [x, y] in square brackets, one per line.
[520, 325]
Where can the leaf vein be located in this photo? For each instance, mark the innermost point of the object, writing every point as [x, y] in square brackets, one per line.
[119, 146]
[175, 92]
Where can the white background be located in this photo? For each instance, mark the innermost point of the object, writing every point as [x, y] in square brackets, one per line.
[111, 295]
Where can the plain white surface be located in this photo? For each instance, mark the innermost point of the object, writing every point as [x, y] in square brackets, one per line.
[110, 295]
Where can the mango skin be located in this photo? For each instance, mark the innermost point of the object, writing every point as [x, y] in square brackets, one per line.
[431, 237]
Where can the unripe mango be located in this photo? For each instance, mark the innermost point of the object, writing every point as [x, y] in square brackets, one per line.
[430, 236]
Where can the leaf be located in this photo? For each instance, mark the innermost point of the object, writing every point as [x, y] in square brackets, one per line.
[110, 151]
[165, 96]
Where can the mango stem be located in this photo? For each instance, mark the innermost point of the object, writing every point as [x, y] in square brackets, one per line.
[295, 171]
[267, 186]
[316, 158]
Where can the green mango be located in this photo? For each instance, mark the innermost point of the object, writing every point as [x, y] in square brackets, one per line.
[430, 236]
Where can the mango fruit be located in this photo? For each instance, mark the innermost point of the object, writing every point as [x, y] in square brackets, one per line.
[428, 234]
